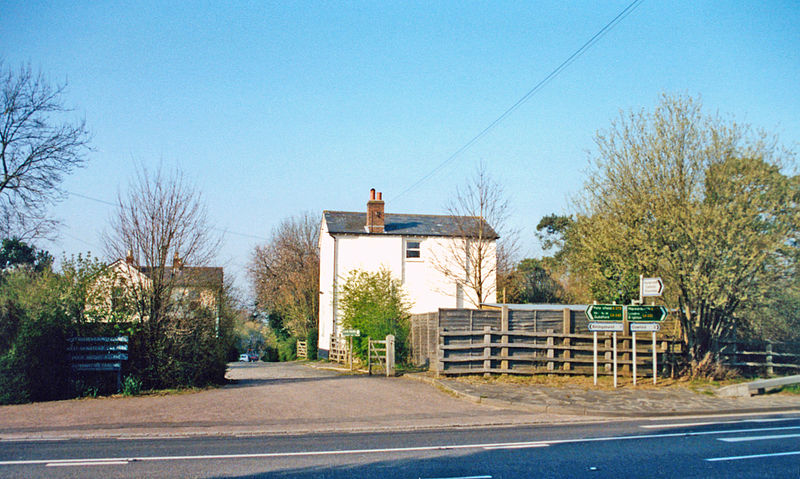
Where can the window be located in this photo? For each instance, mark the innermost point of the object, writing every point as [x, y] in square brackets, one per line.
[413, 249]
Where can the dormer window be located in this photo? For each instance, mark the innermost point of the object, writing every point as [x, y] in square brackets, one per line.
[413, 249]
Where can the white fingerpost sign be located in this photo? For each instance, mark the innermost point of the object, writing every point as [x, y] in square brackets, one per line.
[652, 287]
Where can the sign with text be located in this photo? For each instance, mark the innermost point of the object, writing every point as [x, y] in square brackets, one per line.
[606, 327]
[639, 327]
[643, 313]
[351, 332]
[652, 286]
[604, 312]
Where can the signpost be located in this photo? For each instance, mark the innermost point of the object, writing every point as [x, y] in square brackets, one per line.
[605, 317]
[651, 286]
[350, 334]
[643, 313]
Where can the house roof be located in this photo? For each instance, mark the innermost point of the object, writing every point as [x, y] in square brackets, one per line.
[210, 277]
[345, 222]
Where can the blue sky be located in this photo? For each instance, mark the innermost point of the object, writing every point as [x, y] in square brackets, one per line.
[276, 108]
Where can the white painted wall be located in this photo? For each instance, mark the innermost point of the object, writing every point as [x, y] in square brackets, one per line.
[426, 287]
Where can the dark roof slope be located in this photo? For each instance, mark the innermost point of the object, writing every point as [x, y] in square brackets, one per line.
[344, 222]
[187, 276]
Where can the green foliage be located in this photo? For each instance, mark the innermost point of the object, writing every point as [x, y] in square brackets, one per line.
[287, 349]
[374, 303]
[34, 327]
[311, 343]
[16, 253]
[131, 386]
[532, 282]
[701, 202]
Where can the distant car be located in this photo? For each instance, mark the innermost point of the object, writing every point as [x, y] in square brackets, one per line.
[244, 358]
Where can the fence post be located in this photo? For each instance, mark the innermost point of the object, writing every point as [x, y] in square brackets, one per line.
[567, 329]
[369, 356]
[440, 353]
[607, 355]
[504, 338]
[626, 355]
[487, 349]
[550, 351]
[770, 365]
[389, 355]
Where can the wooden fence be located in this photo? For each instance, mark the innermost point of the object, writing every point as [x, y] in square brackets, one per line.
[526, 352]
[760, 357]
[302, 350]
[559, 319]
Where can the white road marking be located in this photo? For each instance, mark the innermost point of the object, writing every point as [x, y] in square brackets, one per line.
[517, 446]
[755, 438]
[754, 456]
[86, 463]
[460, 477]
[398, 449]
[711, 423]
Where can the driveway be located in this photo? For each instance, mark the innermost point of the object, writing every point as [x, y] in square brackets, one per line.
[266, 398]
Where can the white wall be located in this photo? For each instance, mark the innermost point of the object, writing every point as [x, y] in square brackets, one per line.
[426, 287]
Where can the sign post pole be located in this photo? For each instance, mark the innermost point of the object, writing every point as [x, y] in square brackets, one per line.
[655, 361]
[615, 358]
[595, 358]
[633, 333]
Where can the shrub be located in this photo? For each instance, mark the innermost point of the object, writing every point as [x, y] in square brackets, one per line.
[131, 386]
[375, 304]
[311, 343]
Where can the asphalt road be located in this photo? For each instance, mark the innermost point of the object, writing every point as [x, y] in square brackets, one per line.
[706, 447]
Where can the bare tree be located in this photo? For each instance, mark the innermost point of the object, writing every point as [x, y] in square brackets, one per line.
[285, 273]
[476, 255]
[162, 218]
[36, 151]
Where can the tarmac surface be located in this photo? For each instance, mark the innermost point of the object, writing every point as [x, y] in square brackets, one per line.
[293, 398]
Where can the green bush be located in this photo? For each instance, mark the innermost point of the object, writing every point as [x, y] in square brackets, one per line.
[375, 304]
[131, 386]
[311, 343]
[287, 349]
[34, 326]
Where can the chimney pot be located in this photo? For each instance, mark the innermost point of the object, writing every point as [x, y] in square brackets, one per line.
[375, 219]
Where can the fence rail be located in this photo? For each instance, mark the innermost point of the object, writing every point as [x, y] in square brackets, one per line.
[527, 352]
[763, 356]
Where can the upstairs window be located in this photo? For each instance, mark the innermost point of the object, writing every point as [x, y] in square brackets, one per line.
[413, 249]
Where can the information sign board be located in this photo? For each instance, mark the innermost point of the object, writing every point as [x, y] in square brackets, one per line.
[646, 313]
[351, 332]
[639, 327]
[652, 286]
[606, 327]
[604, 312]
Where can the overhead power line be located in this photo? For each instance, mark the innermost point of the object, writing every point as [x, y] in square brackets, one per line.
[222, 230]
[575, 55]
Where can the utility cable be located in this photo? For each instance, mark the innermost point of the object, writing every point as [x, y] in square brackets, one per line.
[575, 55]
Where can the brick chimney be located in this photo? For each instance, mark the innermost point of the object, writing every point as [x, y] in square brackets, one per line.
[375, 219]
[177, 263]
[129, 257]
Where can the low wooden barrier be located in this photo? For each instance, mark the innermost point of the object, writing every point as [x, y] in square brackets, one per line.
[302, 350]
[526, 352]
[381, 353]
[339, 351]
[98, 355]
[760, 357]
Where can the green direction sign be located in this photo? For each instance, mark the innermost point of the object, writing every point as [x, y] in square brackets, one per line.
[604, 312]
[646, 313]
[351, 332]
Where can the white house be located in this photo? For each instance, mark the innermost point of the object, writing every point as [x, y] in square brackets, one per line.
[425, 252]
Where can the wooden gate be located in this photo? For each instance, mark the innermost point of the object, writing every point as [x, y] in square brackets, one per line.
[381, 354]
